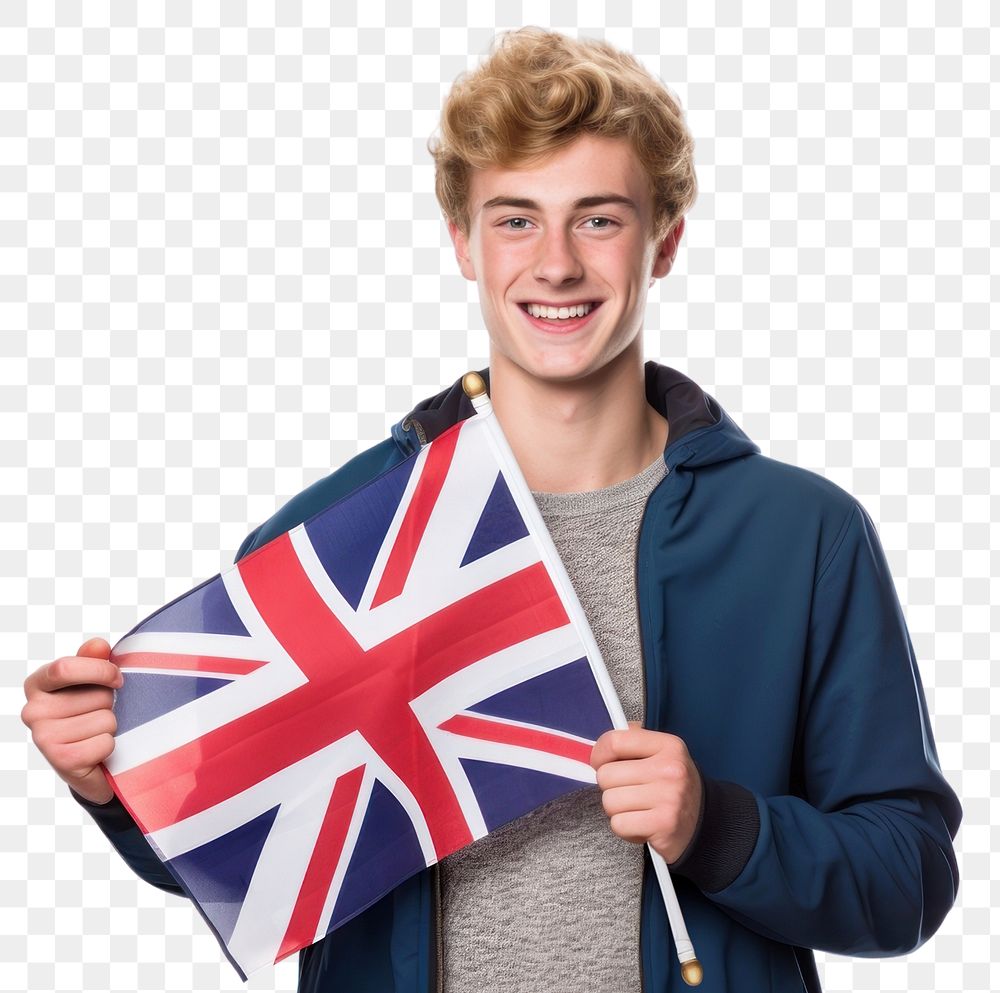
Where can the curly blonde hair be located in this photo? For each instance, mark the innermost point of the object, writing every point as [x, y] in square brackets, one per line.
[539, 90]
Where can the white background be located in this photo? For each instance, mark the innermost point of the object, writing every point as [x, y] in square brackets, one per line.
[223, 272]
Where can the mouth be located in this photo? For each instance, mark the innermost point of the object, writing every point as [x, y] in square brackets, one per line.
[559, 325]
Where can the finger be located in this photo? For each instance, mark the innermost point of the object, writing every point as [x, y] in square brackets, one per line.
[633, 825]
[624, 772]
[622, 799]
[76, 671]
[82, 727]
[97, 648]
[67, 702]
[78, 759]
[635, 743]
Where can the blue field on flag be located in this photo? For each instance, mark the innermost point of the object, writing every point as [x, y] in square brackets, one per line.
[359, 698]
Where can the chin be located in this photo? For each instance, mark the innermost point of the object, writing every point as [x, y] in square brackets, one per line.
[561, 372]
[560, 363]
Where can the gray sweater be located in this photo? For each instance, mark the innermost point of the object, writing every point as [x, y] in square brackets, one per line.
[551, 900]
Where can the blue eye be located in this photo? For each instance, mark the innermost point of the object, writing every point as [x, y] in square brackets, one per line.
[520, 223]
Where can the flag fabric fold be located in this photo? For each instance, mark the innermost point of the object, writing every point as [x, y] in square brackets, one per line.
[367, 693]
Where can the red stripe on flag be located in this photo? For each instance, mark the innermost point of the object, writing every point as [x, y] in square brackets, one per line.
[414, 522]
[183, 663]
[510, 734]
[348, 690]
[404, 746]
[226, 760]
[505, 613]
[304, 922]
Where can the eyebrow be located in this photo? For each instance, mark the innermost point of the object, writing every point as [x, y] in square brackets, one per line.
[597, 200]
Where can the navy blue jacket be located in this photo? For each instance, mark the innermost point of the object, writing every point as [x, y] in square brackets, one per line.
[774, 644]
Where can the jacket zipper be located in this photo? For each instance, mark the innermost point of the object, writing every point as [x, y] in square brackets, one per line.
[438, 935]
[645, 715]
[407, 422]
[642, 667]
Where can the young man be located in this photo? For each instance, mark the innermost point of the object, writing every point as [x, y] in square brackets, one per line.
[781, 758]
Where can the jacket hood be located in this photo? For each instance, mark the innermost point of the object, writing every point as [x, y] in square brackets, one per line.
[701, 432]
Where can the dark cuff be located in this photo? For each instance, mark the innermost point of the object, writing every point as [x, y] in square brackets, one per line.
[111, 815]
[724, 838]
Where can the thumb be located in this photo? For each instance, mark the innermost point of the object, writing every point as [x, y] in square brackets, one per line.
[95, 648]
[635, 724]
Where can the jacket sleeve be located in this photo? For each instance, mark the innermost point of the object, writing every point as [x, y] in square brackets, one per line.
[118, 827]
[862, 863]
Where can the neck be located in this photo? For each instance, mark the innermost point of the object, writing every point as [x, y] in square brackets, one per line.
[578, 435]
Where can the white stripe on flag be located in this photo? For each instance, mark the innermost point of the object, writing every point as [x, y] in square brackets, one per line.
[242, 696]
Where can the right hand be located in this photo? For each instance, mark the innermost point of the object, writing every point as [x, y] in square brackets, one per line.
[69, 714]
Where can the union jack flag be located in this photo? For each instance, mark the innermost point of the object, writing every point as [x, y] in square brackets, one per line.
[360, 697]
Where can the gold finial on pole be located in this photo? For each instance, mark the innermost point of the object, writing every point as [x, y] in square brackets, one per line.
[473, 385]
[475, 390]
[691, 972]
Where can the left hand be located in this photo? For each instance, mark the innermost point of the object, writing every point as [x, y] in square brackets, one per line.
[652, 788]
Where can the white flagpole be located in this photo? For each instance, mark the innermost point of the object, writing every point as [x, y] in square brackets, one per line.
[475, 390]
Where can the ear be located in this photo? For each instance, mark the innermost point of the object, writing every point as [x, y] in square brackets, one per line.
[461, 243]
[664, 260]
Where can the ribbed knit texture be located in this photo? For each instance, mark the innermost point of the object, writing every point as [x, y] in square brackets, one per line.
[551, 901]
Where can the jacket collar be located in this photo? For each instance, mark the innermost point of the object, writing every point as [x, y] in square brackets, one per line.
[701, 432]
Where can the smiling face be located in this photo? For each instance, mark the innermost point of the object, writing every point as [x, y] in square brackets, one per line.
[573, 231]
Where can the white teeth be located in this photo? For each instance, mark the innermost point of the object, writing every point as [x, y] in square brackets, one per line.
[553, 313]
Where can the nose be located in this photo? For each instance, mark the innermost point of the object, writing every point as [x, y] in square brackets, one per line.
[557, 260]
